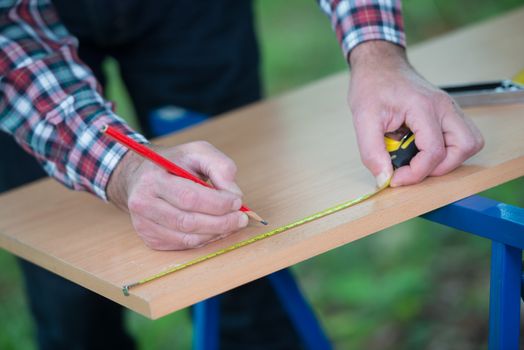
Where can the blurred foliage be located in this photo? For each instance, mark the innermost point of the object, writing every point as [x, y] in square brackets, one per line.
[416, 285]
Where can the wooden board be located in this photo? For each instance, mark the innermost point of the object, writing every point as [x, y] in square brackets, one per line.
[297, 155]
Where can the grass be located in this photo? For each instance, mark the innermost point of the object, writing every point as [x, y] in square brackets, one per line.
[415, 285]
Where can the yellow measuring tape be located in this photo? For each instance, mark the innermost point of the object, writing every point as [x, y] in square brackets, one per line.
[257, 238]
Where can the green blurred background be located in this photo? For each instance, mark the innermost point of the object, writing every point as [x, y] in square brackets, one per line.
[414, 286]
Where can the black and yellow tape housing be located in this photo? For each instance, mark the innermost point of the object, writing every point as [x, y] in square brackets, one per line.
[401, 151]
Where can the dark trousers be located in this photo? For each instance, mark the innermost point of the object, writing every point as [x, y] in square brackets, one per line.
[198, 55]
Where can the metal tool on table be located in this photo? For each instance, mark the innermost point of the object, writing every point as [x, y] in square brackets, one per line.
[487, 93]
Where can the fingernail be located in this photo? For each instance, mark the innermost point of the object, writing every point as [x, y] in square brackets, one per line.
[243, 220]
[382, 179]
[237, 203]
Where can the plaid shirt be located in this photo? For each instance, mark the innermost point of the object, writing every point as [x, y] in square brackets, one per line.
[50, 101]
[356, 21]
[52, 104]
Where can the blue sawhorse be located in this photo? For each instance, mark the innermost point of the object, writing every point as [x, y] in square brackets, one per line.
[205, 317]
[501, 223]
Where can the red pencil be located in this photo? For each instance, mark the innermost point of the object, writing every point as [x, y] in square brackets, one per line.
[165, 163]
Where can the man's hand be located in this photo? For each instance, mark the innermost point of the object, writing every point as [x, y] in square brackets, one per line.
[172, 213]
[385, 93]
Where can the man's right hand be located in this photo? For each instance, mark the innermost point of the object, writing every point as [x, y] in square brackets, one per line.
[387, 93]
[172, 213]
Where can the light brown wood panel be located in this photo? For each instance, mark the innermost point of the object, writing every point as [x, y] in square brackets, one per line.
[296, 155]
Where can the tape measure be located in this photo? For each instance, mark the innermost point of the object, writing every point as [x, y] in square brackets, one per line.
[321, 214]
[401, 147]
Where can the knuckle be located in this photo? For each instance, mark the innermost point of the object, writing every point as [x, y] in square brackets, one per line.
[140, 227]
[375, 161]
[228, 166]
[234, 222]
[186, 223]
[472, 144]
[425, 102]
[227, 225]
[186, 241]
[150, 240]
[147, 234]
[136, 204]
[201, 145]
[480, 143]
[368, 158]
[224, 206]
[187, 197]
[443, 98]
[469, 145]
[438, 153]
[189, 241]
[204, 143]
[418, 176]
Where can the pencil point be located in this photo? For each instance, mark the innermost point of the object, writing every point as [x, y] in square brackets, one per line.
[254, 216]
[104, 128]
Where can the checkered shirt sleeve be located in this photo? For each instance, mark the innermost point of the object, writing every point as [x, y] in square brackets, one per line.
[51, 102]
[357, 21]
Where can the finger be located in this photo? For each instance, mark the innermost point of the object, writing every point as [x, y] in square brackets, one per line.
[429, 141]
[370, 137]
[190, 222]
[158, 237]
[216, 166]
[192, 197]
[475, 130]
[462, 141]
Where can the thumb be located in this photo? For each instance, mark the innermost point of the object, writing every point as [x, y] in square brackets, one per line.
[370, 138]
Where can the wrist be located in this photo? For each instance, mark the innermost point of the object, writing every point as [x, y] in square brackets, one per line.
[377, 53]
[118, 186]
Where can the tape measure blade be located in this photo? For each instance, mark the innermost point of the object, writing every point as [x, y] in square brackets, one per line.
[256, 238]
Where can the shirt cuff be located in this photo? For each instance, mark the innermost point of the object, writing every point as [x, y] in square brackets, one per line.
[98, 155]
[373, 20]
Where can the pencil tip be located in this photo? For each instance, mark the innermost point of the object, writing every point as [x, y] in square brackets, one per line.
[104, 128]
[264, 222]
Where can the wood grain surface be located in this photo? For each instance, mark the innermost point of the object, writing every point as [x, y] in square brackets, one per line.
[296, 155]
